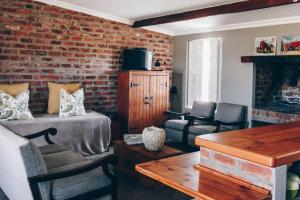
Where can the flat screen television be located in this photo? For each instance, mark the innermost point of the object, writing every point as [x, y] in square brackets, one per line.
[137, 59]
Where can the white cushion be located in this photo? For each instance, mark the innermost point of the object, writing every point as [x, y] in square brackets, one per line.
[14, 107]
[71, 104]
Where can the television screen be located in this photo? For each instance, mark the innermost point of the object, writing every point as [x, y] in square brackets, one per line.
[137, 59]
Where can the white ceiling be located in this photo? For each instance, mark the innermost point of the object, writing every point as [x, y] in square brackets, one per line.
[127, 11]
[139, 9]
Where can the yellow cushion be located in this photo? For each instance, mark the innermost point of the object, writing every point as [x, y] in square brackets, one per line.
[54, 94]
[14, 89]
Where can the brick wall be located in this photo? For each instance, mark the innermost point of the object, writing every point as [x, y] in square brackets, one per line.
[263, 82]
[41, 43]
[241, 169]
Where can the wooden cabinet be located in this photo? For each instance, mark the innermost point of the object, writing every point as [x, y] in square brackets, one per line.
[143, 96]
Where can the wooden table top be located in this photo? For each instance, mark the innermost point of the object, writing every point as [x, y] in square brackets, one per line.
[271, 146]
[165, 152]
[178, 172]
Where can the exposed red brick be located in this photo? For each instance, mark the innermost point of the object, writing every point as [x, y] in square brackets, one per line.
[256, 170]
[204, 153]
[41, 43]
[226, 160]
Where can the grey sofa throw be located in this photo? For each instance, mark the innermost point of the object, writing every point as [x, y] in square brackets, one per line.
[87, 134]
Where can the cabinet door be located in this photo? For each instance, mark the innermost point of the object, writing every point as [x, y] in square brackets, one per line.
[159, 91]
[138, 111]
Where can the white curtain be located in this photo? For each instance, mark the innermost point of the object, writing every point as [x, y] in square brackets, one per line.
[204, 64]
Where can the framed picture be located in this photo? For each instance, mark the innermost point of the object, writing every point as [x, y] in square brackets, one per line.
[265, 46]
[290, 45]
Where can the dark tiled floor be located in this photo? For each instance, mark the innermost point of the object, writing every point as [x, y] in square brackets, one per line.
[131, 190]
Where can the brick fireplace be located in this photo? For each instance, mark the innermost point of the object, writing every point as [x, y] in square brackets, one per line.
[277, 89]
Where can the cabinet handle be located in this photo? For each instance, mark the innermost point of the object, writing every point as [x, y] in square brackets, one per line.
[132, 84]
[148, 100]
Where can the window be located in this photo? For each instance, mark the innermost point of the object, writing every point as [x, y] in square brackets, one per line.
[203, 69]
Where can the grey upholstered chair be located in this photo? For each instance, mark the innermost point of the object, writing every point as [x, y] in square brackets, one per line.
[176, 128]
[51, 172]
[227, 117]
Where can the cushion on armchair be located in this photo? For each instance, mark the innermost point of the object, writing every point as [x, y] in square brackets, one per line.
[75, 185]
[176, 124]
[202, 129]
[230, 113]
[53, 148]
[69, 187]
[63, 158]
[203, 109]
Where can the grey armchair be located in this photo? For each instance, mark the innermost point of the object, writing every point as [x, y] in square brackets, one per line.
[51, 172]
[227, 117]
[176, 129]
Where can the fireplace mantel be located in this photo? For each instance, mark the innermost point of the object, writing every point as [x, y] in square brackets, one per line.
[271, 59]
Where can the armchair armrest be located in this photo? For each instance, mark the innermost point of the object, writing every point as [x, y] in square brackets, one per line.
[110, 159]
[231, 124]
[241, 125]
[175, 114]
[45, 133]
[191, 121]
[209, 119]
[103, 162]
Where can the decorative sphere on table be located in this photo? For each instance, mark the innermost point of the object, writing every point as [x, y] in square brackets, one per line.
[153, 138]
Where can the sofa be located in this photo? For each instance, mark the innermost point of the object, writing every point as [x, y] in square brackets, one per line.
[88, 134]
[51, 171]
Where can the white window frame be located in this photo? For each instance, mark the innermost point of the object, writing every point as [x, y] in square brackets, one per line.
[219, 72]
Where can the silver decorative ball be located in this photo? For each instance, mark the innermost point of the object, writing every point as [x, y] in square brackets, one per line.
[153, 138]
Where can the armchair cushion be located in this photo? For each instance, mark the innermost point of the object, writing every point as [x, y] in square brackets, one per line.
[176, 124]
[63, 158]
[75, 185]
[53, 148]
[202, 129]
[203, 109]
[69, 166]
[230, 113]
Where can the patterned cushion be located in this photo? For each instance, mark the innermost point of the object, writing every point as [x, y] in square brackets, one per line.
[14, 107]
[71, 104]
[54, 94]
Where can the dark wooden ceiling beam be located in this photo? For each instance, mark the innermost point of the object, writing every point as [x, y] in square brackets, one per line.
[217, 10]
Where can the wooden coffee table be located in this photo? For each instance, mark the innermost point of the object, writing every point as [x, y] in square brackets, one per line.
[130, 155]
